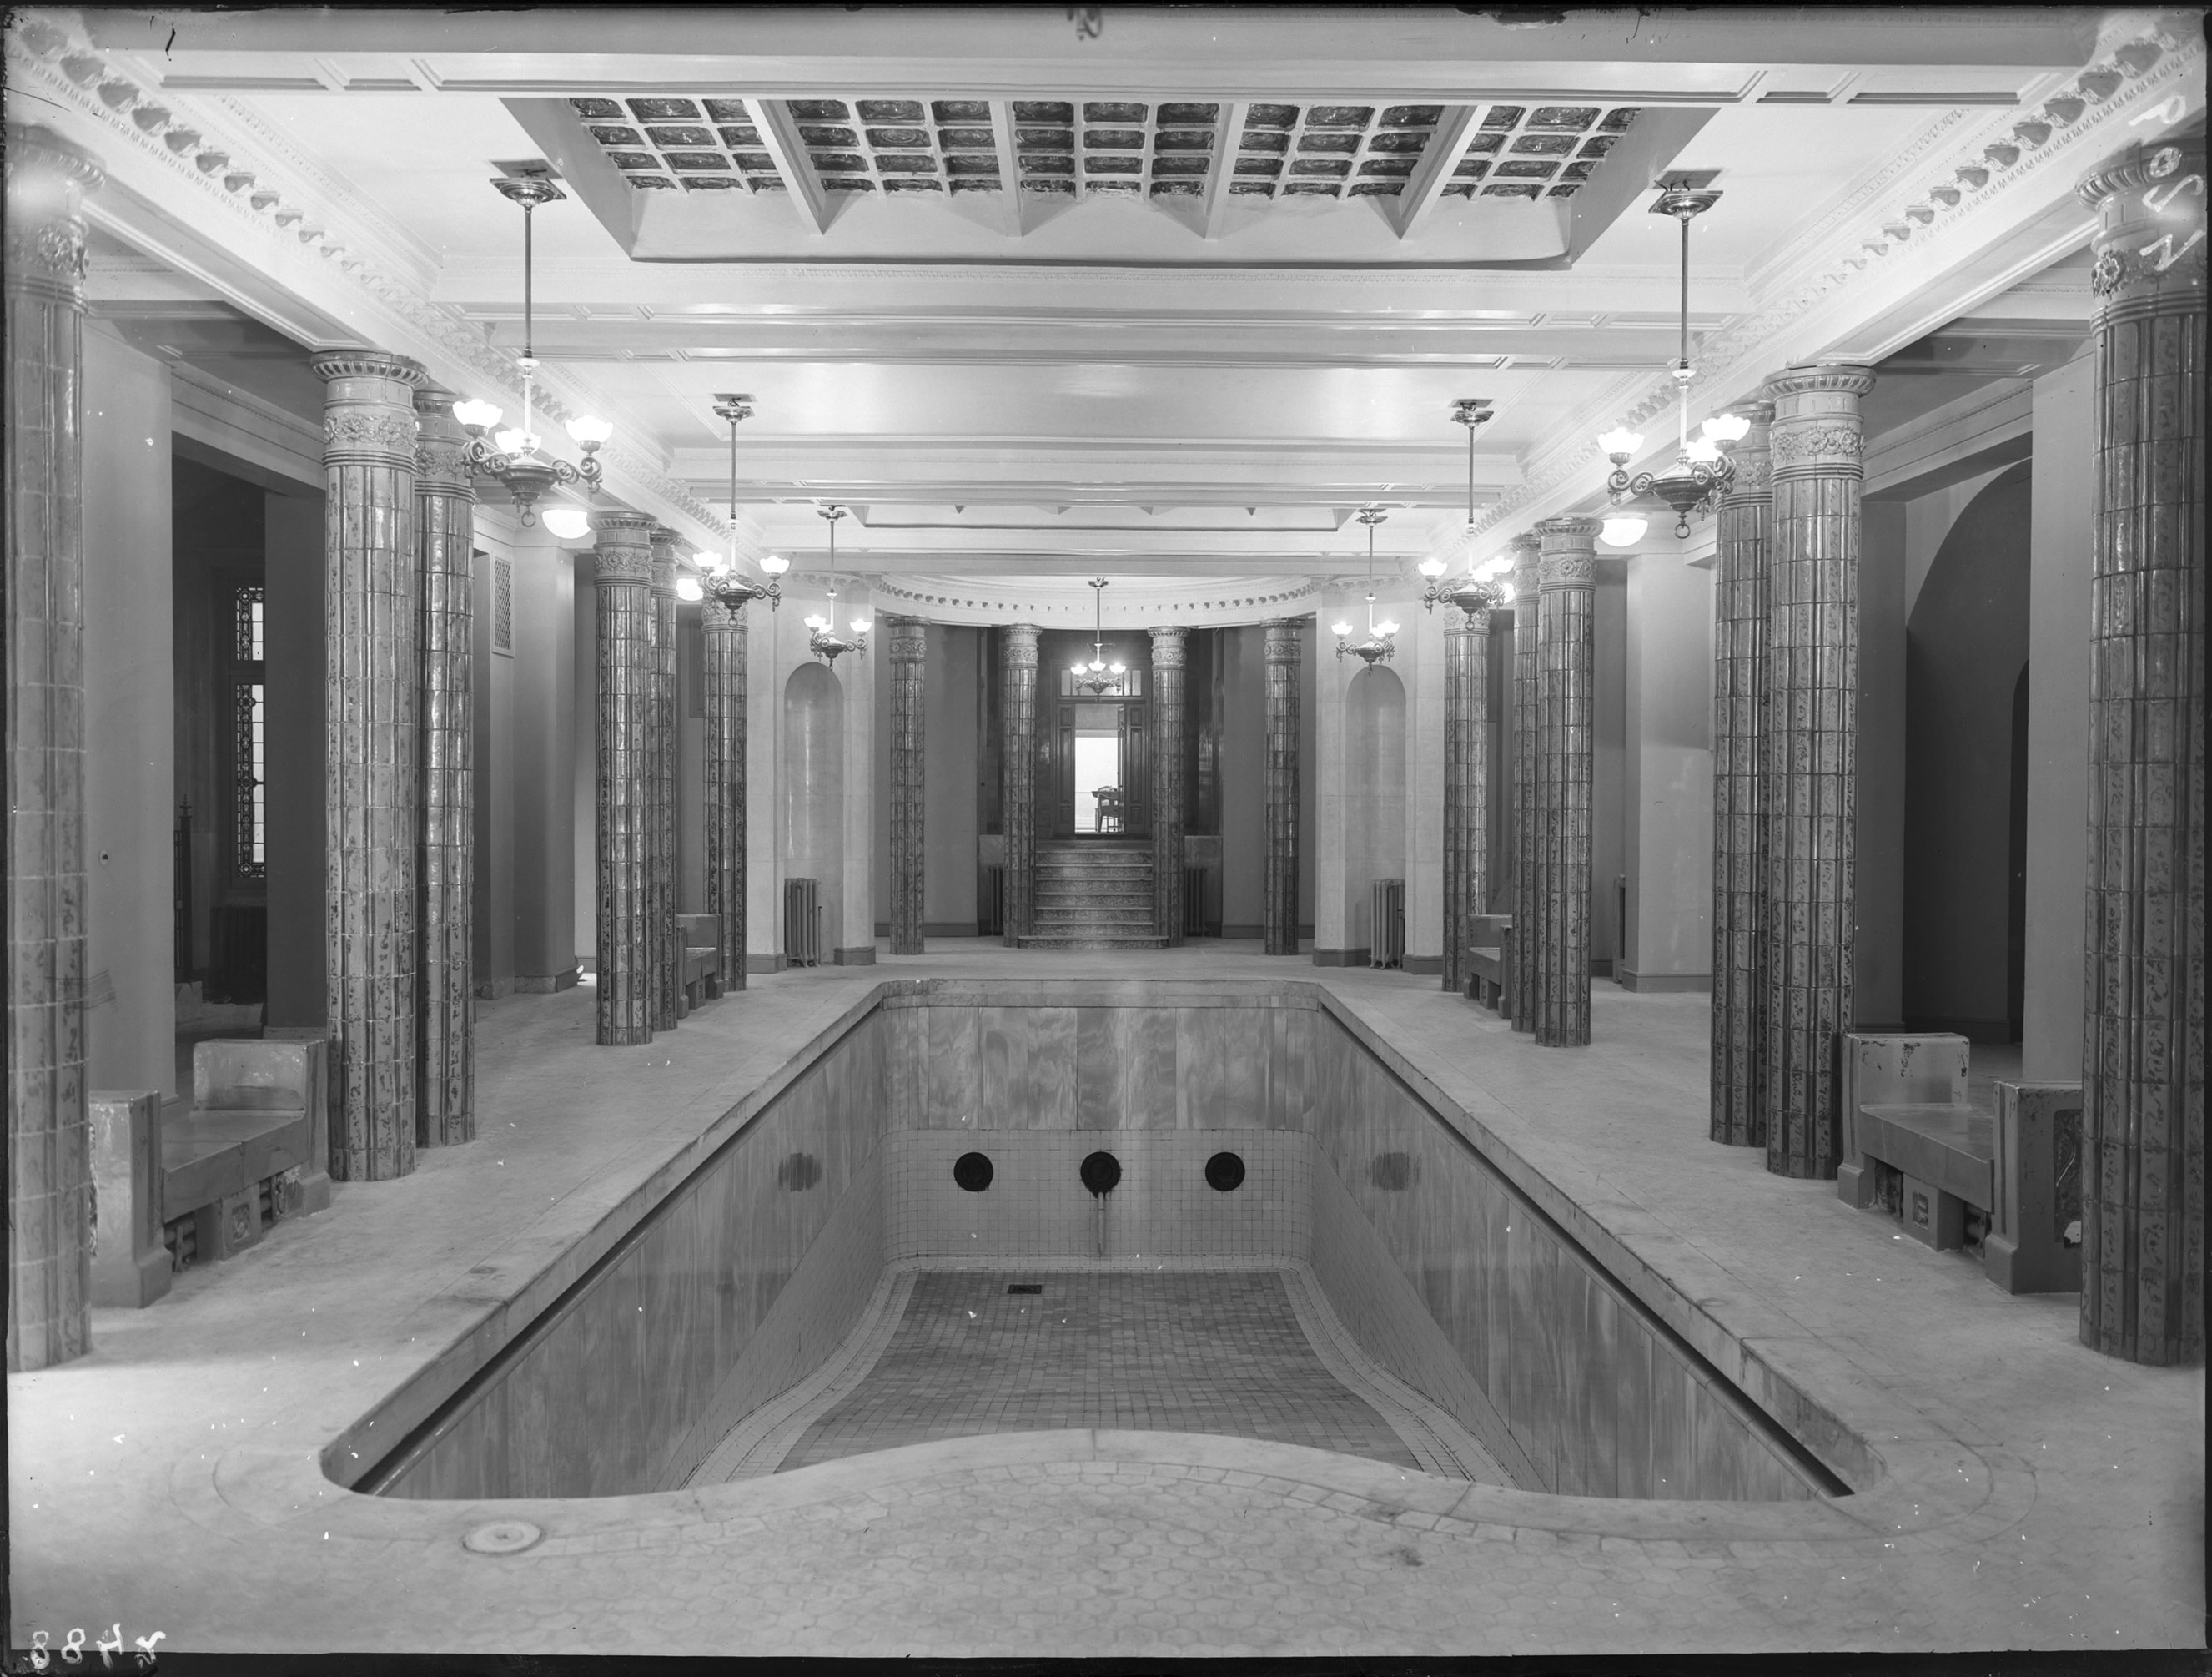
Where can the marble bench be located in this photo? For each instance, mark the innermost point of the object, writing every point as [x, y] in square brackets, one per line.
[1490, 962]
[700, 938]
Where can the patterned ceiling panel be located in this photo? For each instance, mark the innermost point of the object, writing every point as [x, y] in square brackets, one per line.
[1058, 147]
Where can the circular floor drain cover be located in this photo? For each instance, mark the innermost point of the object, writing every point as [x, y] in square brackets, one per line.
[502, 1537]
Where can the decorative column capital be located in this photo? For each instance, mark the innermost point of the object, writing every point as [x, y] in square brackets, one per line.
[1817, 429]
[1526, 549]
[625, 549]
[1754, 455]
[369, 407]
[663, 541]
[1171, 641]
[1022, 645]
[442, 464]
[722, 617]
[2150, 238]
[904, 641]
[46, 181]
[1285, 642]
[1568, 559]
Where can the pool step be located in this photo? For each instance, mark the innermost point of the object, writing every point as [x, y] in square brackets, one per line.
[1094, 895]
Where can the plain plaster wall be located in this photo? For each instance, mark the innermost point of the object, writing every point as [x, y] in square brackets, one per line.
[811, 819]
[129, 759]
[1668, 839]
[1966, 639]
[2063, 483]
[547, 705]
[493, 723]
[1243, 777]
[1609, 763]
[952, 702]
[1878, 869]
[690, 761]
[296, 747]
[584, 762]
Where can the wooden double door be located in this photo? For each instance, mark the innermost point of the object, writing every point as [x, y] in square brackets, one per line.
[1073, 726]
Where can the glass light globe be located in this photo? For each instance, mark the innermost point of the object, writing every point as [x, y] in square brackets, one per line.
[1079, 669]
[1623, 532]
[860, 626]
[1340, 630]
[512, 442]
[1433, 568]
[1728, 427]
[687, 587]
[476, 413]
[588, 431]
[570, 523]
[1620, 441]
[1702, 451]
[817, 623]
[1385, 629]
[1117, 669]
[776, 565]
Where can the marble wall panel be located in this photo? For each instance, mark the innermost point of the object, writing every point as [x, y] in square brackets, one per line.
[951, 1086]
[1594, 1400]
[1051, 1040]
[1672, 1428]
[1632, 1412]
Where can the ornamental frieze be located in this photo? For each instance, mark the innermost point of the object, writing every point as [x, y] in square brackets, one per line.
[623, 566]
[368, 429]
[1793, 444]
[1569, 570]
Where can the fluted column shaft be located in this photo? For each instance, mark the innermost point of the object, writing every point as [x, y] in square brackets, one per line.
[908, 650]
[1279, 884]
[724, 638]
[445, 864]
[665, 953]
[1528, 582]
[373, 601]
[1740, 699]
[1466, 783]
[1566, 654]
[623, 795]
[2142, 1110]
[1812, 755]
[1018, 710]
[1169, 713]
[50, 1209]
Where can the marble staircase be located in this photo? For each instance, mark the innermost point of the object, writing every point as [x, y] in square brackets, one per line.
[1094, 893]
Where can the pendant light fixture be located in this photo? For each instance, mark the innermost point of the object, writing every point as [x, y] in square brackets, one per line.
[825, 643]
[1474, 589]
[721, 579]
[1098, 679]
[517, 457]
[1702, 470]
[1381, 642]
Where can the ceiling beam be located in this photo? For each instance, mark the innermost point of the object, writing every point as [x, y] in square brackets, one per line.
[1434, 172]
[1222, 176]
[780, 139]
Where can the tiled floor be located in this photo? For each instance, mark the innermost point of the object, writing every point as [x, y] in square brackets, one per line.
[1210, 1352]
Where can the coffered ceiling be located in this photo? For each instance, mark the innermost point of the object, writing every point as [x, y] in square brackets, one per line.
[1167, 300]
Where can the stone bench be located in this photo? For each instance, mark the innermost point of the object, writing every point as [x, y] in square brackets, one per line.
[1490, 962]
[700, 936]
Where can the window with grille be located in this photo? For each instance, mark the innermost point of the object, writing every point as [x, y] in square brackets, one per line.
[248, 724]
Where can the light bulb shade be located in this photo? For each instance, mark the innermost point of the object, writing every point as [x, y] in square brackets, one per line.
[860, 626]
[477, 413]
[1079, 669]
[570, 523]
[1702, 451]
[1432, 567]
[1385, 629]
[776, 565]
[1728, 427]
[1620, 441]
[688, 588]
[588, 431]
[1117, 669]
[512, 442]
[1339, 629]
[706, 561]
[1623, 532]
[817, 623]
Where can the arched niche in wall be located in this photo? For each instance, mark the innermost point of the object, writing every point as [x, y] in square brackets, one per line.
[1375, 794]
[1965, 647]
[812, 837]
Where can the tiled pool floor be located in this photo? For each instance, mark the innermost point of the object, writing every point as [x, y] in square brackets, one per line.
[1217, 1352]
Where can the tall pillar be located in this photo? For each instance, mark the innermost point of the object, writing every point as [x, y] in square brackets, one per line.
[1170, 642]
[1467, 773]
[373, 605]
[1018, 711]
[1528, 582]
[663, 950]
[1739, 696]
[909, 653]
[1279, 887]
[622, 761]
[2142, 1110]
[1567, 659]
[50, 1227]
[1812, 756]
[445, 522]
[724, 638]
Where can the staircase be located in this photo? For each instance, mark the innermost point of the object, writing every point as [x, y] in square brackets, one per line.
[1094, 893]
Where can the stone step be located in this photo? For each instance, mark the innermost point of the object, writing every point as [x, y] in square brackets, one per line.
[1045, 918]
[1051, 941]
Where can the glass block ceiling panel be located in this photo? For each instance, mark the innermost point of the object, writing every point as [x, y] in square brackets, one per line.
[1075, 147]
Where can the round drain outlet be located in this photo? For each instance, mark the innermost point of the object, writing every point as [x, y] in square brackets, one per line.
[1101, 1171]
[972, 1171]
[502, 1537]
[1224, 1173]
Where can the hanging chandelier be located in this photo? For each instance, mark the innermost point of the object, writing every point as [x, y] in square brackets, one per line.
[825, 643]
[1702, 470]
[517, 457]
[1381, 642]
[721, 582]
[1098, 679]
[1475, 591]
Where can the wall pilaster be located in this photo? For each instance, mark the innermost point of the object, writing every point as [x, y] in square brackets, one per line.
[1467, 859]
[1018, 712]
[622, 798]
[724, 637]
[907, 650]
[664, 952]
[1170, 720]
[1566, 654]
[1279, 888]
[1528, 821]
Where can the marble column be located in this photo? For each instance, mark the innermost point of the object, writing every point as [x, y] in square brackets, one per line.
[1812, 757]
[372, 607]
[1738, 1116]
[908, 647]
[1566, 661]
[1279, 887]
[622, 800]
[664, 949]
[724, 638]
[1018, 710]
[2142, 1059]
[50, 1206]
[445, 862]
[1466, 774]
[1170, 642]
[1528, 582]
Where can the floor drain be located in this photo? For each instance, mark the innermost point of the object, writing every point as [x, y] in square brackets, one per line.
[502, 1537]
[1026, 1287]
